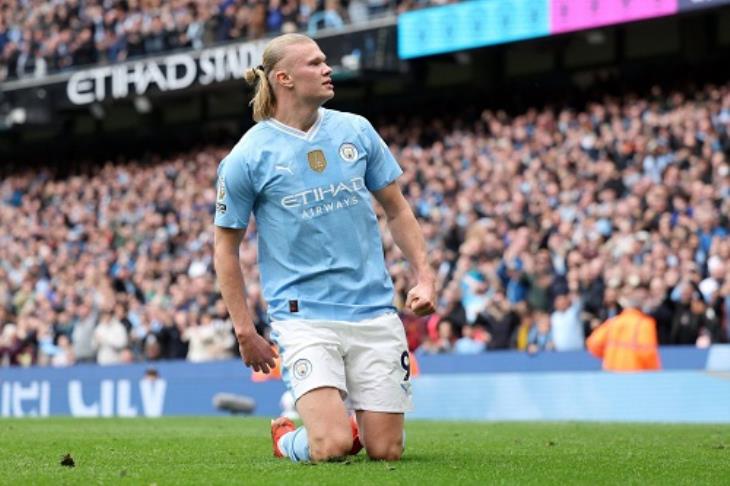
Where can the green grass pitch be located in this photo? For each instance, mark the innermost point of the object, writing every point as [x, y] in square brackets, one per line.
[237, 450]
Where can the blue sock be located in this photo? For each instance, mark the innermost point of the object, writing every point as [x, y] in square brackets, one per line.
[295, 445]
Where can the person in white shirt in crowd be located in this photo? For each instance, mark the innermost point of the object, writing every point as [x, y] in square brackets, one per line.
[110, 340]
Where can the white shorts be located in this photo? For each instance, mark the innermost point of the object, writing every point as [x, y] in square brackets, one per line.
[367, 360]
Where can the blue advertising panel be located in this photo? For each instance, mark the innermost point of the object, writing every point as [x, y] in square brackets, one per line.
[666, 396]
[470, 24]
[498, 385]
[181, 388]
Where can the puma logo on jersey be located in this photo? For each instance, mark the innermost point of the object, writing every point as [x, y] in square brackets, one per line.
[284, 168]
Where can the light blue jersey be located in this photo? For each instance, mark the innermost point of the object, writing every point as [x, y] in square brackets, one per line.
[319, 245]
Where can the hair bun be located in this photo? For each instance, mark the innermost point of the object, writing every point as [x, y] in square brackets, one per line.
[251, 76]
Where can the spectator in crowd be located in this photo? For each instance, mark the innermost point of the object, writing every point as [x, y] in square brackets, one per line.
[442, 342]
[716, 274]
[627, 342]
[565, 323]
[540, 337]
[172, 337]
[329, 18]
[500, 321]
[64, 355]
[694, 322]
[660, 307]
[416, 328]
[452, 308]
[520, 338]
[10, 345]
[208, 341]
[83, 334]
[609, 307]
[110, 340]
[541, 280]
[468, 342]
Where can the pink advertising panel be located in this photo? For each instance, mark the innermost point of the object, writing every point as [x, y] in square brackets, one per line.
[570, 15]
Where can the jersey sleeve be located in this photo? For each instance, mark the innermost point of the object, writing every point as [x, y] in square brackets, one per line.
[235, 193]
[382, 168]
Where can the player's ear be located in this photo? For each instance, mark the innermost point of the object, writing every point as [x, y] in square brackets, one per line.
[284, 79]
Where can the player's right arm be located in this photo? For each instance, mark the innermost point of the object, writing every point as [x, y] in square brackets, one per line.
[255, 350]
[236, 194]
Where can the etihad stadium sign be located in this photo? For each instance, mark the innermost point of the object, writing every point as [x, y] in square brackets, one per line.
[163, 79]
[168, 73]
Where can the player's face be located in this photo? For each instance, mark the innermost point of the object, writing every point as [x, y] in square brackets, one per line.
[310, 74]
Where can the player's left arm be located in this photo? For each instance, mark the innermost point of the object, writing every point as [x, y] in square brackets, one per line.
[407, 235]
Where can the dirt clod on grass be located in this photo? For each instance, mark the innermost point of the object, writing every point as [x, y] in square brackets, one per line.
[68, 461]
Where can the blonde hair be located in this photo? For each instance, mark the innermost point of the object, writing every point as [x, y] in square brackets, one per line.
[264, 99]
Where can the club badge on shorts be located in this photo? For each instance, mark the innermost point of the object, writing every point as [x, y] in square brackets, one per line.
[302, 368]
[348, 152]
[317, 161]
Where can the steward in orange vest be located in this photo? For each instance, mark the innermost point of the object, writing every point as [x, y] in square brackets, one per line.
[627, 342]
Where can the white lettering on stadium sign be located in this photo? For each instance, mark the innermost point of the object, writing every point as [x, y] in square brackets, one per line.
[115, 398]
[174, 72]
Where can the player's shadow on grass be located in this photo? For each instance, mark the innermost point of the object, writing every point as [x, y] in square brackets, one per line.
[363, 459]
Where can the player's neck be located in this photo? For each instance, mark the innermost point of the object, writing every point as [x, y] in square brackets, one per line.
[297, 115]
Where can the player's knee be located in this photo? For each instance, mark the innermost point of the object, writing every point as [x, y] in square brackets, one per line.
[331, 446]
[386, 451]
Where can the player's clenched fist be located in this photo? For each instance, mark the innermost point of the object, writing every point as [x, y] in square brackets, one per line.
[421, 299]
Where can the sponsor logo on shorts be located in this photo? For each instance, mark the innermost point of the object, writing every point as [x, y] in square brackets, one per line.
[302, 369]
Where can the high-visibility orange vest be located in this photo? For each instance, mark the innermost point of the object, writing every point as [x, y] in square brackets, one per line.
[627, 342]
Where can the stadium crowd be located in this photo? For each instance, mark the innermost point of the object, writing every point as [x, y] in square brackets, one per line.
[38, 37]
[537, 225]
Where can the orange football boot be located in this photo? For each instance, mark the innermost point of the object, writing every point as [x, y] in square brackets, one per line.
[356, 444]
[279, 427]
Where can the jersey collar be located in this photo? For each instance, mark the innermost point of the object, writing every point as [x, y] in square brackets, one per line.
[308, 135]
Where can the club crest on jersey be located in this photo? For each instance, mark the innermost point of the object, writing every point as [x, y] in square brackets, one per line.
[317, 161]
[348, 152]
